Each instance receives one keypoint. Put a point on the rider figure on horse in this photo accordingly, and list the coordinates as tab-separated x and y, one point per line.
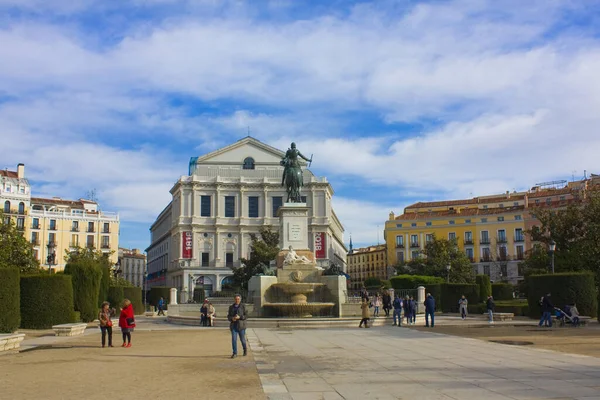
292	173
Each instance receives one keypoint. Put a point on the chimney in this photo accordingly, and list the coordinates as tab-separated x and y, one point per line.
21	171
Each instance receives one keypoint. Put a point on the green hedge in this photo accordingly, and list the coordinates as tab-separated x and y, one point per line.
436	292
134	294
86	279
115	296
157	292
414	281
46	300
518	307
566	288
476	308
451	292
10	313
199	296
104	284
502	291
485	287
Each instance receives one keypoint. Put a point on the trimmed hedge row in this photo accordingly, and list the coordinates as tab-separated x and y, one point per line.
157	292
502	291
10	313
46	300
414	281
485	287
86	279
115	296
436	292
566	288
451	292
134	294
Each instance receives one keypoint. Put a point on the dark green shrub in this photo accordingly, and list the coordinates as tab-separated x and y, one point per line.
10	312
414	281
476	308
451	292
502	291
46	300
115	296
86	277
134	294
436	292
157	292
198	295
485	287
104	284
517	307
566	288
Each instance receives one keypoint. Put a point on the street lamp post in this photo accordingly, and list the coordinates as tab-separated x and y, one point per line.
448	268
51	258
552	249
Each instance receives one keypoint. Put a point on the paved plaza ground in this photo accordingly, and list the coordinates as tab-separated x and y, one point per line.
171	362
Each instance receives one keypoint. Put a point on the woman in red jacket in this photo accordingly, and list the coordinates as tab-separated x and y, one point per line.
126	322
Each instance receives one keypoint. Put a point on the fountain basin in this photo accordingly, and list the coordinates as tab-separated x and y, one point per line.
298	291
304	310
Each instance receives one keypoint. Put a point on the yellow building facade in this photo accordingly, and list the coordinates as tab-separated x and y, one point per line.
367	262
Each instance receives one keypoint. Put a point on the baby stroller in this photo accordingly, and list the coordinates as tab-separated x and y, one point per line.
564	316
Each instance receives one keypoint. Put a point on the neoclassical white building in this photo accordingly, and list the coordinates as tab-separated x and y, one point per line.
230	193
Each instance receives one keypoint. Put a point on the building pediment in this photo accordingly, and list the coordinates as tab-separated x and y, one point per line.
237	152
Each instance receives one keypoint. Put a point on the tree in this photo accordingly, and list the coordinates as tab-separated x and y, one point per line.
264	249
576	232
437	255
15	250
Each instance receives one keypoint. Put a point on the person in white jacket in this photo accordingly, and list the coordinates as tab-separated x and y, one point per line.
463	307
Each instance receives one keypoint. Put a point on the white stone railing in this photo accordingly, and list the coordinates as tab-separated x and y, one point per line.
11	341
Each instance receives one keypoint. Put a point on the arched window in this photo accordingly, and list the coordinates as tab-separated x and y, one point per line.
249	163
7	206
21	208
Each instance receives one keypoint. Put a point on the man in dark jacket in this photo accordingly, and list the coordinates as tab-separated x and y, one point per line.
547	308
398	310
429	310
387	303
237	318
490	306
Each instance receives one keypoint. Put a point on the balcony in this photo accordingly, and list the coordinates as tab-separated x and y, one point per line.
35	242
91	230
90	246
20	227
471	259
502	258
468	242
485	259
415	245
74	229
501	240
520	257
74	245
399	245
105	246
484	241
35	226
106	231
519	239
52	227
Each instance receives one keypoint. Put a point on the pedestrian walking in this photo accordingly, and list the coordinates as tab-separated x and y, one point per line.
237	318
398	306
104	316
407	310
377	305
364	294
413	310
161	306
127	322
463	307
387	303
547	308
429	310
490	306
364	306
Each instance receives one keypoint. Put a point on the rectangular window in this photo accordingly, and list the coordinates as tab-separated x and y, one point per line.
485	238
75	226
414	240
277	202
413	224
428	223
205	258
501	236
415	255
20	223
400	257
106	228
485	207
503	253
252	207
90	227
428	238
520	253
518	218
563	198
486	254
74	241
501	205
52	238
35	239
537	201
467	221
486	270
205	206
35	224
230	206
399	241
469	253
36	254
398	225
105	244
90	241
452	236
53	224
483	219
549	200
519	235
451	222
500	219
229	260
516	203
468	237
504	271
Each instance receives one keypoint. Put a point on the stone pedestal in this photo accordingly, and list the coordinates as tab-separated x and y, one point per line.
293	230
173	296
337	287
421	300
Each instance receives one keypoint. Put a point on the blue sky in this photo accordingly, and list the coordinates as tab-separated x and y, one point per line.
400	101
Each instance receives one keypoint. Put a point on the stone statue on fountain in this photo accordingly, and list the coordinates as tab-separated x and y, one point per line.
292	258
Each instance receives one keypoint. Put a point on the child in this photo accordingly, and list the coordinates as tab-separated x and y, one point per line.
127	322
365	314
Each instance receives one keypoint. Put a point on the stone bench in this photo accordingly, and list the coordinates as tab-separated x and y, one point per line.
69	329
11	341
503	316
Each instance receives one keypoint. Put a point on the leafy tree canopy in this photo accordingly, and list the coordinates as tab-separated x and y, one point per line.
264	249
15	250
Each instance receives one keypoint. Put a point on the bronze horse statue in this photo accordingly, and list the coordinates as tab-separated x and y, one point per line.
292	174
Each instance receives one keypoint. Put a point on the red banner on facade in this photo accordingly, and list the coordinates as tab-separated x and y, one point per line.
320	245
186	245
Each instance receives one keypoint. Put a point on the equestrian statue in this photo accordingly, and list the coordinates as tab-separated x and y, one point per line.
292	174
